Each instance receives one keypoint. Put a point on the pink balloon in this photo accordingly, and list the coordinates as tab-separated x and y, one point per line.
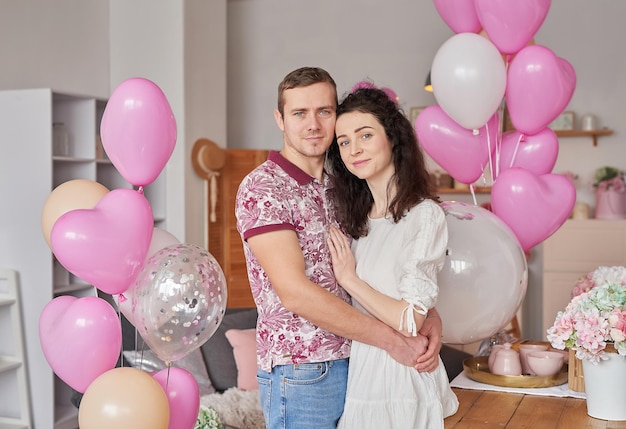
107	245
183	396
138	130
510	25
456	149
460	15
533	206
469	79
536	153
81	338
539	87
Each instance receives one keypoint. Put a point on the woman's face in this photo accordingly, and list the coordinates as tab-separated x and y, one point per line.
364	146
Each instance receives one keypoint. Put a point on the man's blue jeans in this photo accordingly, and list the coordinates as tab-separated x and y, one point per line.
304	396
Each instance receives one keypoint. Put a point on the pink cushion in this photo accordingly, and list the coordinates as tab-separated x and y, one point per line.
244	349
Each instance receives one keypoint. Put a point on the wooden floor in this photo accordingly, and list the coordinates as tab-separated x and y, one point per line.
488	409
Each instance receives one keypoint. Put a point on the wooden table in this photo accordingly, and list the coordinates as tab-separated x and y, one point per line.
488	409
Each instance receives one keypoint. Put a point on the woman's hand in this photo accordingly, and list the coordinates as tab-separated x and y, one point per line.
344	264
431	329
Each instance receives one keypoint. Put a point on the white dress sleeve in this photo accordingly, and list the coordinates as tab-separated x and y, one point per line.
425	242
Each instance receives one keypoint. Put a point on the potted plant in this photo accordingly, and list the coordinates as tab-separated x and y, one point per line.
594	326
610	193
208	419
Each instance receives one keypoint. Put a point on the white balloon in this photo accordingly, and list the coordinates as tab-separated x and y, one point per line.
160	240
484	278
469	79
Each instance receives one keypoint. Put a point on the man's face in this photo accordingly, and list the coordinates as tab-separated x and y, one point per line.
308	123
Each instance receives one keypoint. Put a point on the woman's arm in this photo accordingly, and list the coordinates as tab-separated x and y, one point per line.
418	285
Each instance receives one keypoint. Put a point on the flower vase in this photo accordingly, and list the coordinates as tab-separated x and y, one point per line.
605	388
610	204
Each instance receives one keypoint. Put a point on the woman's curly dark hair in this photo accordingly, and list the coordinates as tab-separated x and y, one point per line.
351	195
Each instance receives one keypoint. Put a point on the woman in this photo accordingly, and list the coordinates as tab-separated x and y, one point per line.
387	203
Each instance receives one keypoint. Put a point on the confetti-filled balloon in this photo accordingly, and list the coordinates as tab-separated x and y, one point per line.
178	300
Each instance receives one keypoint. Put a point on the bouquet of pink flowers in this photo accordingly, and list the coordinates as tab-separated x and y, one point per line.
595	316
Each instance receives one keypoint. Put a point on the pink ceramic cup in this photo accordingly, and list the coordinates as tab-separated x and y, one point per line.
524	350
545	363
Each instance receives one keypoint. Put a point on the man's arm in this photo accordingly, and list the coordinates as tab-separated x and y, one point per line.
280	255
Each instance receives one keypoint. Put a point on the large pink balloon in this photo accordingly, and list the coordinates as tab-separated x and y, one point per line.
107	245
511	24
484	277
81	338
457	150
138	130
536	153
178	300
469	79
460	15
539	87
533	206
183	396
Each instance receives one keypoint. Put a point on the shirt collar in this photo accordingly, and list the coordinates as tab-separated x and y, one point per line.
290	168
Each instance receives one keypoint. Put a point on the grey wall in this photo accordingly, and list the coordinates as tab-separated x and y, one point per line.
61	44
394	43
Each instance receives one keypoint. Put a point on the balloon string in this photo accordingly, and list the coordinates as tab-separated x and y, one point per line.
520	139
498	143
167	379
140	190
489	151
473	194
119	316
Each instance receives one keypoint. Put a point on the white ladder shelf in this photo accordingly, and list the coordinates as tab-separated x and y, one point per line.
14	393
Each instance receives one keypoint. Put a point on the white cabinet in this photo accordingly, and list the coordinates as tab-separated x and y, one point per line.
578	247
14	397
29	171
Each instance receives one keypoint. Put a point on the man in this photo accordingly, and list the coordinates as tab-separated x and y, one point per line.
305	320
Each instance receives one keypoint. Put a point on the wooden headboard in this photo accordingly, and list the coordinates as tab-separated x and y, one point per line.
224	169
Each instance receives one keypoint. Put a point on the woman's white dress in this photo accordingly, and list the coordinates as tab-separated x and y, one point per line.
400	260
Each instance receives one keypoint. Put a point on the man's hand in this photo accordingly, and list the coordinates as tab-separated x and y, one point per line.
410	349
431	329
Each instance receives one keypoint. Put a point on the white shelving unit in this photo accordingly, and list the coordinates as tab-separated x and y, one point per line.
14	396
29	171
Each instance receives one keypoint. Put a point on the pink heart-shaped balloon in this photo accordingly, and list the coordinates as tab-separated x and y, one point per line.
536	153
511	24
456	149
138	130
183	396
460	15
105	246
539	86
81	338
534	207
